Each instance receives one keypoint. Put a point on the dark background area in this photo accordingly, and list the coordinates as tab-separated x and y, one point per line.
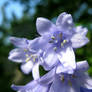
18	18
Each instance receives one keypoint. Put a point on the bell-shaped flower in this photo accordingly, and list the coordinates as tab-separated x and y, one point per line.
59	81
35	85
30	59
63	82
57	41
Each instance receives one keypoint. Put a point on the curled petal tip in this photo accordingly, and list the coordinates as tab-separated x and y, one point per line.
13	87
11	38
40	19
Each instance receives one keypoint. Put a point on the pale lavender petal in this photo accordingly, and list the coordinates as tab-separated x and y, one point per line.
60	18
83	79
44	26
38	43
81	30
79	40
88	81
19	42
17	88
82	66
62	69
67	58
27	67
35	71
65	23
30	85
17	55
50	58
59	86
64	86
51	89
48	78
40	88
45	66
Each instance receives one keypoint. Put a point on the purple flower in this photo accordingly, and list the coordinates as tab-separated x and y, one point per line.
35	85
30	59
60	82
63	82
57	41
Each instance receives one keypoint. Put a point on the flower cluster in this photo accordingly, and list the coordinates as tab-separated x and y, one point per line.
54	50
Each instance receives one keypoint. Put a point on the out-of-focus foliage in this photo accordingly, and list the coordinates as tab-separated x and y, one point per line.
18	18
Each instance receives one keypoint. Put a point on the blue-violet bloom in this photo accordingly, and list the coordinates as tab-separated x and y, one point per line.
35	85
57	41
29	58
63	82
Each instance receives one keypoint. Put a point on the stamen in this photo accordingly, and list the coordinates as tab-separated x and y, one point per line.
31	56
69	82
34	59
60	35
25	50
55	48
64	41
27	59
62	78
53	37
26	55
62	44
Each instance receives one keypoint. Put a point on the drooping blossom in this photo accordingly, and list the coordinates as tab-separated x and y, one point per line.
63	82
57	41
55	81
29	58
35	85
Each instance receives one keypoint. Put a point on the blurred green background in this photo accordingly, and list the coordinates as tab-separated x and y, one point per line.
18	18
